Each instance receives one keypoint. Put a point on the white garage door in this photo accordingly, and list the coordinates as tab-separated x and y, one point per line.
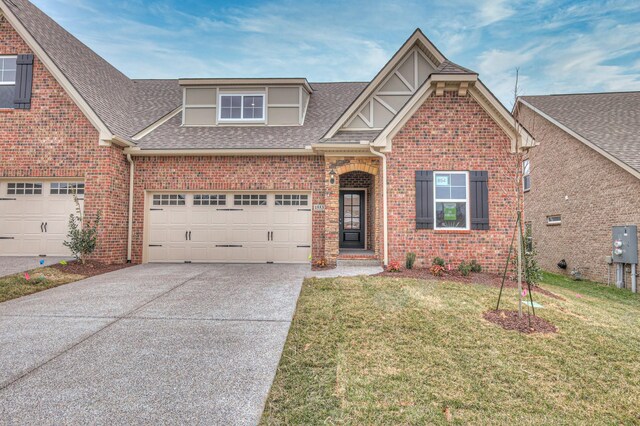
34	217
227	227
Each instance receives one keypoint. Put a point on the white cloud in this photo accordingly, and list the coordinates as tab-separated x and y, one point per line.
558	45
492	11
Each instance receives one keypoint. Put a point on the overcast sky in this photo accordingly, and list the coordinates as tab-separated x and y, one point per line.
560	46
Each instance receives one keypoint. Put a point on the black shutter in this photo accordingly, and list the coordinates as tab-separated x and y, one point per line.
24	80
479	182
424	199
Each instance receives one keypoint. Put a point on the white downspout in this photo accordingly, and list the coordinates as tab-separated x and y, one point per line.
384	204
130	229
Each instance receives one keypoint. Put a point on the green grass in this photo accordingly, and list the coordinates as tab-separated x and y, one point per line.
13	286
374	350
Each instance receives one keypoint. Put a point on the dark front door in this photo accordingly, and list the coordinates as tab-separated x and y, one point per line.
352	219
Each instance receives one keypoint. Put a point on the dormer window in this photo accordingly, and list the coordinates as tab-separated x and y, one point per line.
241	107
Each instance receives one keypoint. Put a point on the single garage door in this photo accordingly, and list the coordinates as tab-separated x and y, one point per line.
228	227
34	216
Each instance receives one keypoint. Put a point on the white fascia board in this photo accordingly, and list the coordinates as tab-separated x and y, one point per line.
137	152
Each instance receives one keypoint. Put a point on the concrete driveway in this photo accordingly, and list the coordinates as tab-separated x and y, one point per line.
151	344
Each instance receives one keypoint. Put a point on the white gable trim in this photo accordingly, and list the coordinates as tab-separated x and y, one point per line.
582	139
383	75
105	134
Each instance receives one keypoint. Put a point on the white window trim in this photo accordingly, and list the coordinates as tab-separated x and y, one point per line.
241	120
466	201
6	83
525	174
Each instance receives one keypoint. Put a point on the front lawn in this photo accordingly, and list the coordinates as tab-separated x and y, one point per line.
17	285
383	350
13	286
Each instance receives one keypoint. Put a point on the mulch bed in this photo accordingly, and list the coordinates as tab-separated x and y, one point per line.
89	269
509	321
482	278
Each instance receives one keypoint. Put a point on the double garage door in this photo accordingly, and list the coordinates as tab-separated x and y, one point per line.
34	216
229	227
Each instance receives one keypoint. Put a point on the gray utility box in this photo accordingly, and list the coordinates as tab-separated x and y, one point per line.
625	244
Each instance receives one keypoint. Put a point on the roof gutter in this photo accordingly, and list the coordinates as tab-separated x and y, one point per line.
137	152
117	140
130	218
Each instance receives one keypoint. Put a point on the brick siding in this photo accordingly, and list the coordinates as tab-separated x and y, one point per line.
55	139
451	133
589	191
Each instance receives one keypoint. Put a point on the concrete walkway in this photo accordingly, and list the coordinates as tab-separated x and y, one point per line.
151	344
10	265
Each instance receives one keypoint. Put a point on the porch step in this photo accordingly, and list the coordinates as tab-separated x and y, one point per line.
358	262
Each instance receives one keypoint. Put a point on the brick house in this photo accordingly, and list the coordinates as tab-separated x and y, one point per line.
583	177
250	170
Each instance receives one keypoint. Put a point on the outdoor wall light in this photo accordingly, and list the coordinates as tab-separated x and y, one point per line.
332	176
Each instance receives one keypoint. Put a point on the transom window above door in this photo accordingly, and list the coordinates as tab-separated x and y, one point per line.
24	188
241	108
451	198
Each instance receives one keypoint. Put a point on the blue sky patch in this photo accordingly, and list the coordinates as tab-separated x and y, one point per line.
559	46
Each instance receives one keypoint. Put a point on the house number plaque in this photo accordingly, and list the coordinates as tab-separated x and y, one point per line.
318	207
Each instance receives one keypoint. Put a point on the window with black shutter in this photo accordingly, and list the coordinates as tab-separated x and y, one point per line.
23	82
479	185
424	199
451	201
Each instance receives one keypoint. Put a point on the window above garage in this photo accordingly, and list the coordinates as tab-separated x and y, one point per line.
241	107
245	102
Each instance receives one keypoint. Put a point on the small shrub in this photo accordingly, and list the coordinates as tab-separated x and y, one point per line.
321	263
437	270
475	266
394	266
410	260
464	268
439	261
83	233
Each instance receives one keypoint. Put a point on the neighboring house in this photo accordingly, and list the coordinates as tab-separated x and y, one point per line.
584	176
419	159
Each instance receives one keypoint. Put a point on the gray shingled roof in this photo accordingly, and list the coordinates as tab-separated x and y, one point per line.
353	137
448	67
125	106
326	104
609	120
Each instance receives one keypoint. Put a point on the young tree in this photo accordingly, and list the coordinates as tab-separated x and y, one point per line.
83	233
